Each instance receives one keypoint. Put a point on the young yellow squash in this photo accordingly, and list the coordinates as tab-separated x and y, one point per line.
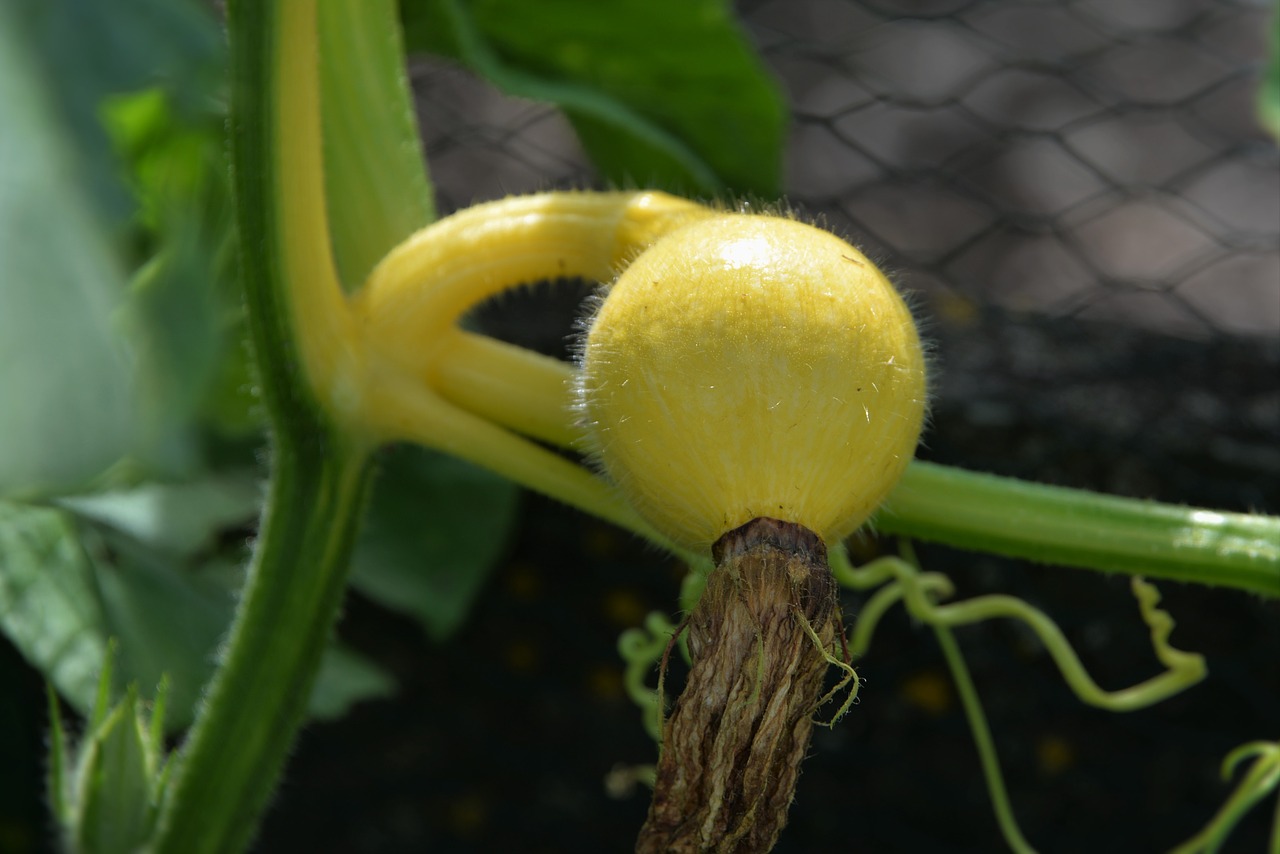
749	366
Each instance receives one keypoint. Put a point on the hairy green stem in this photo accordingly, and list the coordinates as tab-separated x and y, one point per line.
1075	527
228	767
257	701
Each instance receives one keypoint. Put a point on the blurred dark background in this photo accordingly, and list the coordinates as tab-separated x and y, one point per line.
1088	217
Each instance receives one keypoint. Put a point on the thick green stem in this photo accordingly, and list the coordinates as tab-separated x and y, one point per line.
258	699
228	767
1075	527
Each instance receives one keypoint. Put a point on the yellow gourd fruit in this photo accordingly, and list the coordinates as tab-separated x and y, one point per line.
750	366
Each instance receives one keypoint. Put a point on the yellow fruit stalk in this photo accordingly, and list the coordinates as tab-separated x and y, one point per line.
753	385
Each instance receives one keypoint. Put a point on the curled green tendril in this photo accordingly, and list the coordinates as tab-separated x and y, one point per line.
919	592
642	649
1262	779
903	581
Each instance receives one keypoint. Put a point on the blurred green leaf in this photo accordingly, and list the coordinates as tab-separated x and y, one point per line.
346	678
232	407
91	49
48	606
1269	90
104	369
114	789
375	174
665	93
435	527
168	620
176	325
170	623
179	518
66	587
174	162
185	316
66	379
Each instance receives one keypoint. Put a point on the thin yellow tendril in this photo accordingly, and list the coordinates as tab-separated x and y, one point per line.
849	675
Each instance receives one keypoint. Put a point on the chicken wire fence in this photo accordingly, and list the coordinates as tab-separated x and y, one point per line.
1097	159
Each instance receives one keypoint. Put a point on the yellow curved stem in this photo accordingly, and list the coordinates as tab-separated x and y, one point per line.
324	330
527	392
416	294
424	380
399	408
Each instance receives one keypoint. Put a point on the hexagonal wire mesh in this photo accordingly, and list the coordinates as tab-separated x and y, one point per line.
1090	159
1081	199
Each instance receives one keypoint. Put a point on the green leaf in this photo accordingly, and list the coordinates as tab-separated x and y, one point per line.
665	93
346	678
184	313
168	621
232	408
174	161
435	527
57	772
114	788
95	48
48	607
126	369
1269	91
184	293
375	173
65	373
65	588
176	325
179	518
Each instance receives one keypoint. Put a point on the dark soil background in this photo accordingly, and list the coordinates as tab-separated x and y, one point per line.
1089	218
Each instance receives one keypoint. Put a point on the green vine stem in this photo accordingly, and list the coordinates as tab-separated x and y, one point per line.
1074	527
229	765
920	591
227	769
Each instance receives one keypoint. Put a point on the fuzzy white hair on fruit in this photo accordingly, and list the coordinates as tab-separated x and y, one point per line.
751	365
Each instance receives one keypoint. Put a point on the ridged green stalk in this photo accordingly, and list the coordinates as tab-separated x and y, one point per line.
228	768
1075	527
